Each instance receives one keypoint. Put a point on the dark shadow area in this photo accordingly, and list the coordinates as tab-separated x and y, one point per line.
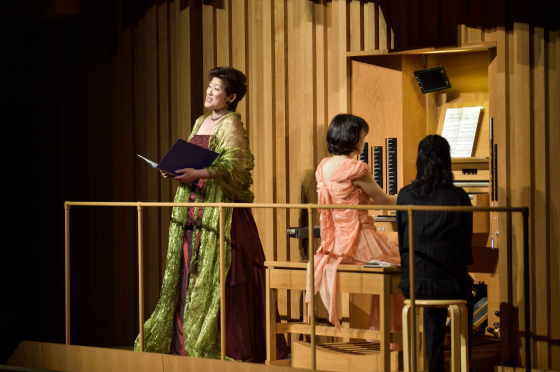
436	22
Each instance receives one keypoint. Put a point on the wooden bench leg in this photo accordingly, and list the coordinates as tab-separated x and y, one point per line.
406	335
465	329
459	338
455	338
270	322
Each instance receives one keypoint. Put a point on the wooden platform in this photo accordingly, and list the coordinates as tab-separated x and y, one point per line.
344	356
64	358
60	357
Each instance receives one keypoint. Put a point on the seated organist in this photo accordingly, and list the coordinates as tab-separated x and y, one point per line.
443	239
348	236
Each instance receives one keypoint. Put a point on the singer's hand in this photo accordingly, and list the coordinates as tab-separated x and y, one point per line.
166	175
187	175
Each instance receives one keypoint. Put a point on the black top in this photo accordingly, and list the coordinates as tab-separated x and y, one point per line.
442	243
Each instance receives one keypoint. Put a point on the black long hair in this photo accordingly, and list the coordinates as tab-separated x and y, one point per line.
433	166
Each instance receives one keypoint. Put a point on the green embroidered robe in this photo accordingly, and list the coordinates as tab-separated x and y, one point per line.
231	179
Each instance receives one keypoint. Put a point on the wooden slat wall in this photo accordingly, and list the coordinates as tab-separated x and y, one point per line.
149	65
551	236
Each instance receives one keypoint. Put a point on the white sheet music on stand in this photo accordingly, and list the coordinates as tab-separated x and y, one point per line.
460	129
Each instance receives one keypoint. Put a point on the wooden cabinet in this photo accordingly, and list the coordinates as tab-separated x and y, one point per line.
383	90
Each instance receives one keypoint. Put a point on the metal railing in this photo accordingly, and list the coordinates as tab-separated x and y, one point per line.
309	207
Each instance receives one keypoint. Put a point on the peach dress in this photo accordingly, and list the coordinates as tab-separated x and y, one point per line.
348	236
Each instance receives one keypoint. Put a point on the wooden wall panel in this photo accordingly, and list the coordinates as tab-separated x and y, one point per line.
335	49
339	50
191	78
519	139
384	33
356	25
294	54
260	122
239	48
414	121
154	58
321	84
223	34
540	165
268	144
552	53
281	144
371	26
208	38
301	126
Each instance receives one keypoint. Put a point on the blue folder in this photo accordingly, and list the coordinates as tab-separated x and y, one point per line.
181	155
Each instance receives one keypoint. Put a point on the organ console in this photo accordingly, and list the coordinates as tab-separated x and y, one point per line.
383	90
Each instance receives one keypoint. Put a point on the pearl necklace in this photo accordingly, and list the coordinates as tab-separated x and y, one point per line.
218	116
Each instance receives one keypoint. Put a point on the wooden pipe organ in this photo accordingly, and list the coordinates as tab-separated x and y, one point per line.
383	90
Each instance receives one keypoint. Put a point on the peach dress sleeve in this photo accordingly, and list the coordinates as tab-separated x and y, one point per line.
348	236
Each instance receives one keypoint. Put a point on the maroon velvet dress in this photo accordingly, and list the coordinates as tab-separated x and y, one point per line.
245	286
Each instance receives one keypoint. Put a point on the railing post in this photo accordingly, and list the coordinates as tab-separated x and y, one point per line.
222	284
140	277
311	254
412	278
527	293
67	270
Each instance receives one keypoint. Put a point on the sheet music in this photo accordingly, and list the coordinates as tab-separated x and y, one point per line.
460	128
451	127
153	164
467	132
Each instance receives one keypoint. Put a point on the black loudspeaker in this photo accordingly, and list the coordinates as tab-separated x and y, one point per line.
432	79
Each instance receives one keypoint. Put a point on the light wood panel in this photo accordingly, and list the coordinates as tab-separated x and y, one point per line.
58	357
518	141
378	99
553	217
301	109
414	121
356	25
255	71
269	146
386	95
501	128
371	26
139	83
540	165
28	354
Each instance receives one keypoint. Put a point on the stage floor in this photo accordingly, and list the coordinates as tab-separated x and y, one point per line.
60	357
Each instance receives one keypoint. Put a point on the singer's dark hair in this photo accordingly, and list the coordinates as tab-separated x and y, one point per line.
433	166
344	133
234	82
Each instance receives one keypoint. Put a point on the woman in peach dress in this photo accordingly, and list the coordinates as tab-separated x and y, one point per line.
348	236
